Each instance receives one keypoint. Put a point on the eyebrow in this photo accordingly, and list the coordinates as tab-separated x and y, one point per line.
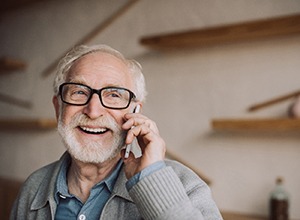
81	81
108	85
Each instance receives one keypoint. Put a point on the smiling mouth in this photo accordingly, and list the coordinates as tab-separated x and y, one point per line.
93	130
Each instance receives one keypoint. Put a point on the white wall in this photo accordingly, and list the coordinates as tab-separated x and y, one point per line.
186	88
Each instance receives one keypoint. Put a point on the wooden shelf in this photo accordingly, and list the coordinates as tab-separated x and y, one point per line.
18	124
280	124
10	64
259	29
238	216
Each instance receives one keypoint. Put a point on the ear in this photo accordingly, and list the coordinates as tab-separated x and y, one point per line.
56	106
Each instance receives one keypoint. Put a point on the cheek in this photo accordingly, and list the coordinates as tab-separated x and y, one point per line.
67	113
119	117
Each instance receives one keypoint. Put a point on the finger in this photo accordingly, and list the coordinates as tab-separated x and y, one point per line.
131	134
144	135
133	120
139	121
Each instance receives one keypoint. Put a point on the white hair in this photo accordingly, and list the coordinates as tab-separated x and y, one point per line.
133	66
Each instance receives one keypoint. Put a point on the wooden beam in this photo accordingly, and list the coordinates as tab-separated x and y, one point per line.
240	216
10	64
8	5
101	27
265	28
15	101
23	123
257	125
176	157
273	101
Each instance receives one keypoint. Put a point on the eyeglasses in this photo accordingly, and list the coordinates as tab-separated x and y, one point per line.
110	97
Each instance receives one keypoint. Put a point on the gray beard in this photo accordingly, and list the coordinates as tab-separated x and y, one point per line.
91	151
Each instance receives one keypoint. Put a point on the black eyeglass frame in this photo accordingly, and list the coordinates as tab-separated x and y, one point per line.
98	92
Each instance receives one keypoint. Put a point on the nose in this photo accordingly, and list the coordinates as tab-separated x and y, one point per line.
94	108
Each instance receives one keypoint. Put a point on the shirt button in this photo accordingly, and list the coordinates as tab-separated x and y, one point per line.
62	196
82	217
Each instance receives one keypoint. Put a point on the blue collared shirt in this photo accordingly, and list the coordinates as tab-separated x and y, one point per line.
70	207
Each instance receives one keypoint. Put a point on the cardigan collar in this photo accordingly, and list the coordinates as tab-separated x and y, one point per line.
46	190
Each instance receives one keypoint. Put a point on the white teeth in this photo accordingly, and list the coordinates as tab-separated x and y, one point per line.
94	130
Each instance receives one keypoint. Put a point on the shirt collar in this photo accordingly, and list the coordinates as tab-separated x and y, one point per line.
111	179
61	188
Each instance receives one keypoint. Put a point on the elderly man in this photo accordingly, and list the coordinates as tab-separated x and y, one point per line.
96	91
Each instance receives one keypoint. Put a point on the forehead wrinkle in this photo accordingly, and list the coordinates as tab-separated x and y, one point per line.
82	80
100	60
111	66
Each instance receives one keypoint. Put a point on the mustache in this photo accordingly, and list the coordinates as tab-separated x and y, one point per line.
83	120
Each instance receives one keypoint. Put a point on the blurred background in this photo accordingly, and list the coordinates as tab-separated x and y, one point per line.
231	56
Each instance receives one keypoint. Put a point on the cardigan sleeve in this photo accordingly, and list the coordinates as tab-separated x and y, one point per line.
174	192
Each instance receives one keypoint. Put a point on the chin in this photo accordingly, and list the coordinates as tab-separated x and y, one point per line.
94	152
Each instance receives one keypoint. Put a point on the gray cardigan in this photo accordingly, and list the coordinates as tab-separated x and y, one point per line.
174	192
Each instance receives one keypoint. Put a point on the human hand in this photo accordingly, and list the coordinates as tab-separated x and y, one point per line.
152	145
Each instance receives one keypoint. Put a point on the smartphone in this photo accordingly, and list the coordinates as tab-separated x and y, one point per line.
128	146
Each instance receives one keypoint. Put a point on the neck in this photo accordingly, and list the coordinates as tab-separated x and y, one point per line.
83	176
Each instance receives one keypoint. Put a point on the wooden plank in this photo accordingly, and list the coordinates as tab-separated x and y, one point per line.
23	123
273	101
8	5
176	157
96	31
10	64
284	124
239	216
15	101
265	28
